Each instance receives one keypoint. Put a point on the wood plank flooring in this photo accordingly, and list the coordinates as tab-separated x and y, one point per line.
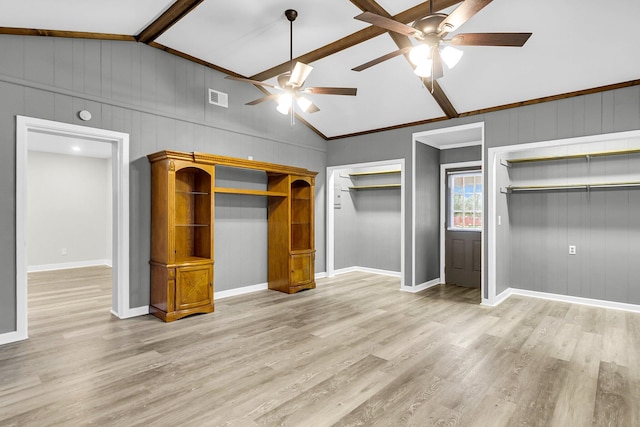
353	352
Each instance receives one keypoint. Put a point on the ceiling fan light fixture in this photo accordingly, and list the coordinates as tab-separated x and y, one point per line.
284	103
451	56
303	103
423	70
420	55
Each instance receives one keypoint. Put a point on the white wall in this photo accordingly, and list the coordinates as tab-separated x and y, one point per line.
68	206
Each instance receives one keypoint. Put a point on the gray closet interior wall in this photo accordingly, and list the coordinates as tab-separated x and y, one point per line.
160	100
602	223
346	243
368	223
427	234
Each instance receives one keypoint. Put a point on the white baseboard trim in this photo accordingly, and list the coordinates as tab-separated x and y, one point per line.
634	308
322	275
9	337
67	265
133	312
240	291
366	270
498	299
421	286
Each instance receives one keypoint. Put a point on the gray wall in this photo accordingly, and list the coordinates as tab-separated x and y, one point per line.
160	100
462	154
69	204
427	225
605	112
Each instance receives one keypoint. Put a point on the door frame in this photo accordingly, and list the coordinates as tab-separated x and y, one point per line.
443	209
120	230
330	214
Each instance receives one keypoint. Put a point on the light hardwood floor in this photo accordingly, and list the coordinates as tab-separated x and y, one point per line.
354	351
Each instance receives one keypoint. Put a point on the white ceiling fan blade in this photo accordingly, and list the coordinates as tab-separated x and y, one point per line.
299	74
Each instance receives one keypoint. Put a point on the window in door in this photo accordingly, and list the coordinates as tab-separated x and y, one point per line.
465	204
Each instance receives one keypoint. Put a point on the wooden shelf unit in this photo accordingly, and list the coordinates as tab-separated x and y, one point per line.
182	219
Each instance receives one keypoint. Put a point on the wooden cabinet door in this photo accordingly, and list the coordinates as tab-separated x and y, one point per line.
301	269
194	286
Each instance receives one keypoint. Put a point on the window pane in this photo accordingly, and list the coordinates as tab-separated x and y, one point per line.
457	219
458	200
465	203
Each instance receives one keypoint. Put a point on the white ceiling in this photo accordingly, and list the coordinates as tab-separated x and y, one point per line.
576	45
63	144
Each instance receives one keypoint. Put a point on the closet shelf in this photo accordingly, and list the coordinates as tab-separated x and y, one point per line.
373	187
374	173
587	187
249	192
586	156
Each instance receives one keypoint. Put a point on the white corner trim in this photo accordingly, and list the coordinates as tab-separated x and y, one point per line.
132	312
240	291
9	337
422	286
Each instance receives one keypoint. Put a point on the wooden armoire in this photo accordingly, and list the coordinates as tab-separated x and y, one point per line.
183	189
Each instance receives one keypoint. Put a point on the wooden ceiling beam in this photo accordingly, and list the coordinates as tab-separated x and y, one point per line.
65	34
441	98
351	40
176	12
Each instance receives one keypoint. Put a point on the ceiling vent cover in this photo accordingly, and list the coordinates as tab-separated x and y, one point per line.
218	98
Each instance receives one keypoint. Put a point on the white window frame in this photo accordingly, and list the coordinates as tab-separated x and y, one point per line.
450	177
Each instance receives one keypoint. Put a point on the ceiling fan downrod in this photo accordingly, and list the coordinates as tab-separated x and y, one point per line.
291	15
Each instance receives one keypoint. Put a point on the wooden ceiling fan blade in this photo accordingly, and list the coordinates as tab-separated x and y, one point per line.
387	23
273	97
349	91
299	74
462	14
490	39
254	82
382	58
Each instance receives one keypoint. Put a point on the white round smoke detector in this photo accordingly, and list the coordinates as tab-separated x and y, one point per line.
84	115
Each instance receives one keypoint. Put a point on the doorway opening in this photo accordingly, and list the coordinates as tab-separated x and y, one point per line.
385	179
443	139
28	129
462	225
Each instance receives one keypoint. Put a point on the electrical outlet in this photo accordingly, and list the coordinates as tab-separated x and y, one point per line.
63	251
572	250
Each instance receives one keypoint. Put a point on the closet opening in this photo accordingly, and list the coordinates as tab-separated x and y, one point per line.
365	218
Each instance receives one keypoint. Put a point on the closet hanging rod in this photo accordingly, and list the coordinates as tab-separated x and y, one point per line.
515	189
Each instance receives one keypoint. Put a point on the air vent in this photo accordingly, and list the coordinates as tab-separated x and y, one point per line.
220	99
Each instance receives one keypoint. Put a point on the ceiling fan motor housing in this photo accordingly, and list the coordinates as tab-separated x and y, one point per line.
428	26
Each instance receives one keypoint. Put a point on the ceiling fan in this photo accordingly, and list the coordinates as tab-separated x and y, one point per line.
430	32
290	83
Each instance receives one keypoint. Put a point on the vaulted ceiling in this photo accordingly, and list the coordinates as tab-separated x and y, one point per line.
577	47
